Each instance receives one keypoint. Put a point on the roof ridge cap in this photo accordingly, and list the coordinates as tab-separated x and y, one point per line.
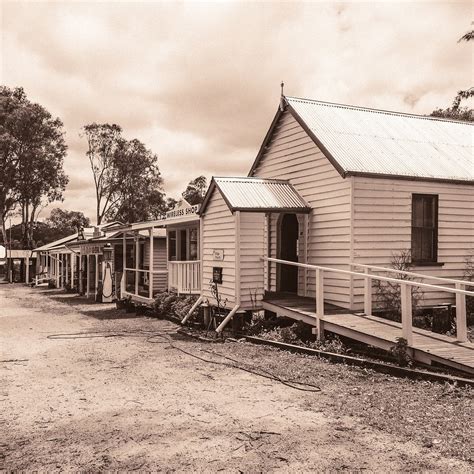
379	111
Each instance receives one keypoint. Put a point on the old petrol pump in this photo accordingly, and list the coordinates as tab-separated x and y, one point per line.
107	274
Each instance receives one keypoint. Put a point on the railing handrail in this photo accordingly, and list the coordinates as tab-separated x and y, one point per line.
183	261
365	275
155	272
418	275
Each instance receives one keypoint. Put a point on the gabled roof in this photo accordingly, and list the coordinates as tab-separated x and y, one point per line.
257	194
368	142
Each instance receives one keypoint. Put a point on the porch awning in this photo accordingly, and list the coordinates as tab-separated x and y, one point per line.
258	195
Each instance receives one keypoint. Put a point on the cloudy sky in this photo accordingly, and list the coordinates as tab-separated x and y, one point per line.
199	83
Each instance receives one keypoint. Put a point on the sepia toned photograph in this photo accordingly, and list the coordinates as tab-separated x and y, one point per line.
236	236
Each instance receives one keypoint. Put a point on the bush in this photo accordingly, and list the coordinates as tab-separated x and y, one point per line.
170	303
300	334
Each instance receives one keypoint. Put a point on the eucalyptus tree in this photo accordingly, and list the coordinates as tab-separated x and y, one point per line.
32	151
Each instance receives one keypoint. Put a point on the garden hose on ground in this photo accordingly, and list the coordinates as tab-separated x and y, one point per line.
165	338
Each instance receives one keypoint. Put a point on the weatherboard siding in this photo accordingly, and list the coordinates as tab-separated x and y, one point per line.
218	232
252	249
382	227
291	154
160	281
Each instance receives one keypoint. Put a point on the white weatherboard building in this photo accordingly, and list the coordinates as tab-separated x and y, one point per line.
356	186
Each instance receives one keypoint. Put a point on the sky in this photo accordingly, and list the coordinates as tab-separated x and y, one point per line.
199	83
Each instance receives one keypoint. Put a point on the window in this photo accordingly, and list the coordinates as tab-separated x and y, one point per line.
193	243
172	254
424	228
183	244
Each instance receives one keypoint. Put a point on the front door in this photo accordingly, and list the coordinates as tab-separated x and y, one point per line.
288	239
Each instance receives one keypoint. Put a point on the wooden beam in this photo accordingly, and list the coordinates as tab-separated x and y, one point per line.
88	275
150	277
137	256
407	317
367	293
27	270
319	304
461	321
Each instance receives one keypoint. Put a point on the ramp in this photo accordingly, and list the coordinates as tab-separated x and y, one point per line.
428	347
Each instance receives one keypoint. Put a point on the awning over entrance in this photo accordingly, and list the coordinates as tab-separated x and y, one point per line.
257	195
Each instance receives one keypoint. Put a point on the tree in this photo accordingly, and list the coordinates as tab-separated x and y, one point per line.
66	222
196	190
457	112
138	194
32	151
102	140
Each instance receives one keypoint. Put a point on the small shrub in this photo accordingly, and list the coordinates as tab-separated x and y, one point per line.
401	352
388	294
469	276
51	284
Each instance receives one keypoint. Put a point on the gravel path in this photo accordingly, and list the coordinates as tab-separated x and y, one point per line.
122	403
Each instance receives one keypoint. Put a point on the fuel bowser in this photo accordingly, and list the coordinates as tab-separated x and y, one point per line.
107	274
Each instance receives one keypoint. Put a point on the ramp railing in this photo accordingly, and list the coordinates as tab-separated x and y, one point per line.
406	287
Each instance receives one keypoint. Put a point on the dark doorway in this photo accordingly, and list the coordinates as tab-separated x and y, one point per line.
288	240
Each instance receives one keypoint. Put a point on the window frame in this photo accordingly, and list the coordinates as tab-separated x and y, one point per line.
183	243
434	228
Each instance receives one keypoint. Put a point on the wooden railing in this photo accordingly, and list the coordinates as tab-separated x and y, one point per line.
137	284
405	292
185	276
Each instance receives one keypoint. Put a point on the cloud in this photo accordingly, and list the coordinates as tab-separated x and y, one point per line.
199	82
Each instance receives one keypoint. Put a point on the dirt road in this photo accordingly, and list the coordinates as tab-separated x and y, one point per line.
123	403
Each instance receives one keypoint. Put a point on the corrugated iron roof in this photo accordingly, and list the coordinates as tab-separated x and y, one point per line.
257	194
368	141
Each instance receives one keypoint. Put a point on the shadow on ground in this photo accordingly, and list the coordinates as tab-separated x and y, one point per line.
90	307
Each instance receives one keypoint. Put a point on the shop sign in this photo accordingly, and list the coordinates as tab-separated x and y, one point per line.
183	209
91	249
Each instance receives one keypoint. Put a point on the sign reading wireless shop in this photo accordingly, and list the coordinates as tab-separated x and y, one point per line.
183	210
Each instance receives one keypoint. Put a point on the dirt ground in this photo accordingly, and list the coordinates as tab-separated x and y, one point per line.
122	403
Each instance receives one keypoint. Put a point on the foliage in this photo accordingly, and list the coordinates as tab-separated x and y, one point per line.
456	111
127	178
66	222
388	294
469	276
401	352
169	303
32	151
293	335
460	113
139	194
102	141
196	190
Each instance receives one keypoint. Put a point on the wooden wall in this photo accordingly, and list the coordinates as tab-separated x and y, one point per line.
160	281
382	226
218	232
252	249
292	154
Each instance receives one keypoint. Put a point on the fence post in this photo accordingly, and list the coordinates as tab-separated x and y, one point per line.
461	322
407	327
367	293
319	303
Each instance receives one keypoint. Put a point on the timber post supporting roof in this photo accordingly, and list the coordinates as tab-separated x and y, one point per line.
367	142
257	195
